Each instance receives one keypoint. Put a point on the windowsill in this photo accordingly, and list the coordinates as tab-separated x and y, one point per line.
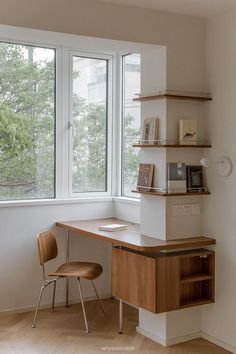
39	202
127	200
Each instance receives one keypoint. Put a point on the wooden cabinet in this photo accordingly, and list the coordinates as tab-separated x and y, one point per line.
163	282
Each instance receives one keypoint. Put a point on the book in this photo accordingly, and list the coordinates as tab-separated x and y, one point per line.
176	177
150	130
113	227
145	177
195	178
188	131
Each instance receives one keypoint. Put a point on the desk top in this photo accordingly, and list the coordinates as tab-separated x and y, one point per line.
131	237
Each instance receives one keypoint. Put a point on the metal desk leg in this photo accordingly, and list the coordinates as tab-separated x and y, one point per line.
120	316
67	260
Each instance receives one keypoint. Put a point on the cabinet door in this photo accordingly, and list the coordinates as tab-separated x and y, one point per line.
167	283
134	279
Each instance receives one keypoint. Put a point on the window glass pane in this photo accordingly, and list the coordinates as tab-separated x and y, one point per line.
27	122
89	145
131	122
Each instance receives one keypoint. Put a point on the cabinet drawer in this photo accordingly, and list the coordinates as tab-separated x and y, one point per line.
134	278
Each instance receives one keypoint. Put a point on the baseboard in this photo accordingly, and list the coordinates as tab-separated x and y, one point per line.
219	342
47	306
183	339
170	342
151	336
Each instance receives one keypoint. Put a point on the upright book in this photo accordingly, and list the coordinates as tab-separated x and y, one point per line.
145	177
150	131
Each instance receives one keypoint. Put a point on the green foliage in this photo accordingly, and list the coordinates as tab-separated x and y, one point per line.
26	124
89	146
130	155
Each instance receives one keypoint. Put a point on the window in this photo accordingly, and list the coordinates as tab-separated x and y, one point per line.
59	116
90	124
130	122
27	122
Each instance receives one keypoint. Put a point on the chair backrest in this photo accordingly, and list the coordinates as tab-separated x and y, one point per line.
47	246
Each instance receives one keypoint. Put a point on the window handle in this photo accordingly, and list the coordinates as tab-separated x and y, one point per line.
70	125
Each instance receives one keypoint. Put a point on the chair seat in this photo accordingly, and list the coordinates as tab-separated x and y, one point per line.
84	270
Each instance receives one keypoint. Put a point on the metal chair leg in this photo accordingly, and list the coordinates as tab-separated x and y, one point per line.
95	290
39	301
82	303
53	295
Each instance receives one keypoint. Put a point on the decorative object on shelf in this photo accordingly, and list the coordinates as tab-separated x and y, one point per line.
150	130
224	165
187	131
195	179
176	177
145	177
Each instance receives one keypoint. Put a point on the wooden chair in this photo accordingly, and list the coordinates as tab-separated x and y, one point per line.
47	246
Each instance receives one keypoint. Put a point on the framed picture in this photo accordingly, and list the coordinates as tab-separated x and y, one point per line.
187	132
195	179
150	131
176	177
145	177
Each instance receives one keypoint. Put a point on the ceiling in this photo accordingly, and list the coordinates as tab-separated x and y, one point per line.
202	8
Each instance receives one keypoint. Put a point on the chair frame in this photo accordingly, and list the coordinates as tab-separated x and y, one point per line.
48	282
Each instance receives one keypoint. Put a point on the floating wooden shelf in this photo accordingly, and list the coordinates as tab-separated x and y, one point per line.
197	146
169	194
172	97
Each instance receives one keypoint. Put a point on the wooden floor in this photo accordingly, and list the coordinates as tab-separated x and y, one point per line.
62	332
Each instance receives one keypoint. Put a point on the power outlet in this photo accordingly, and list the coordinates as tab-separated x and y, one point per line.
181	210
186	209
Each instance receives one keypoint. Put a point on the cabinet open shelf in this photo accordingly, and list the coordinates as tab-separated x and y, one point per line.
169	194
197	272
195	302
176	96
195	278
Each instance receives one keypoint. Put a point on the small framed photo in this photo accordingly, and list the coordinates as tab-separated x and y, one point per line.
150	131
195	179
145	177
187	132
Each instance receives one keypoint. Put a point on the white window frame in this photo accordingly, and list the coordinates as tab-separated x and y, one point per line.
65	45
109	142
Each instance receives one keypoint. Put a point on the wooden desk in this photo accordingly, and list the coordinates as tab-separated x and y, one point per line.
160	288
130	238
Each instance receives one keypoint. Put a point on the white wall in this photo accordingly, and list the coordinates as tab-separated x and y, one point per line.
20	275
219	320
